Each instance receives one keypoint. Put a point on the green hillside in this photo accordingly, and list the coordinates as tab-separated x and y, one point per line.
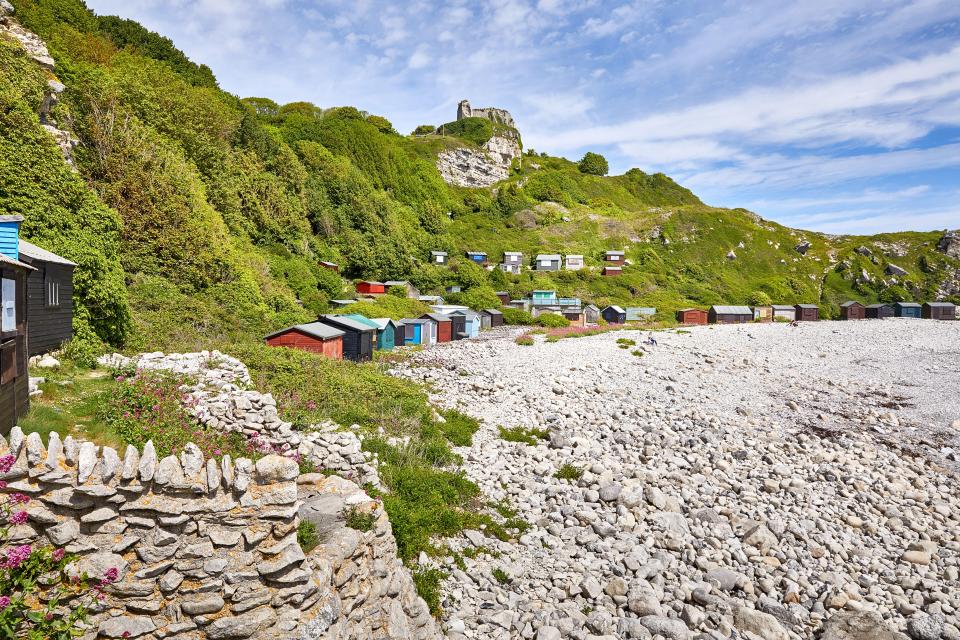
198	217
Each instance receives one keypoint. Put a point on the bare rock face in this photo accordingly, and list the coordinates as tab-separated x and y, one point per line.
950	244
469	168
464	110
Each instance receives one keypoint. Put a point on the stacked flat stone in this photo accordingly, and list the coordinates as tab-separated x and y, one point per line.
208	548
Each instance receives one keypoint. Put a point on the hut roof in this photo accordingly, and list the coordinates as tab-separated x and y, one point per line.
361	319
878	305
783	307
348	322
438	317
371	282
615	308
414	321
492	312
8	260
574	255
37	253
512	253
808	306
383	322
945	305
906	304
476	253
397	283
733	309
313	329
548	256
438	253
469	313
690	309
592	306
615	253
850	303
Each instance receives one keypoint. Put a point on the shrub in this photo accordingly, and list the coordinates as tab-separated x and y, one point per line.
526	436
500	575
760	299
358	519
424	130
517	317
626	341
307	536
428	582
552	321
459	427
593	164
569	472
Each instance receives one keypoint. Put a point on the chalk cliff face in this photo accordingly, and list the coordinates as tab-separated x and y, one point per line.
467	167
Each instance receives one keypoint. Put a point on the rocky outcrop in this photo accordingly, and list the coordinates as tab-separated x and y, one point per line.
949	244
37	50
470	168
894	270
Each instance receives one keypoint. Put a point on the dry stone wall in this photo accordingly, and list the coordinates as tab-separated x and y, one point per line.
208	548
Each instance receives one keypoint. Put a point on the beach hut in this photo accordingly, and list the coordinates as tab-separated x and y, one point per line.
512	262
344	302
371	288
418	331
612	271
430	300
49	298
934	311
614	258
458	326
359	338
614	314
573	262
692	316
729	314
315	337
491	318
504	296
388	334
330	266
444	327
479	257
808	312
640	314
14	378
784	312
591	314
575	316
907	310
548	262
471	324
438	257
879	311
852	310
763	313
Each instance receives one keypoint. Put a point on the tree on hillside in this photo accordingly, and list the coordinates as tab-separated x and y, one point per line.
424	130
593	164
381	123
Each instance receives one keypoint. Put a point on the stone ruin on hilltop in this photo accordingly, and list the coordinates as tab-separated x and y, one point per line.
464	110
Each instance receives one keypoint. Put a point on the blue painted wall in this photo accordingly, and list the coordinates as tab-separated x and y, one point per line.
10	239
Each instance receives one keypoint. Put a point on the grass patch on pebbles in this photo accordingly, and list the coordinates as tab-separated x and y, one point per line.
428	583
525	341
569	472
500	575
526	436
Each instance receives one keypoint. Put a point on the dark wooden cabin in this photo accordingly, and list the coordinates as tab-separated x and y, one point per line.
939	311
878	311
444	326
504	296
692	316
852	310
315	337
49	298
906	310
491	318
612	272
359	339
729	314
458	326
808	312
614	314
614	258
14	377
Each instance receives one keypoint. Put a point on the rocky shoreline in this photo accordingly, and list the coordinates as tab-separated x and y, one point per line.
753	481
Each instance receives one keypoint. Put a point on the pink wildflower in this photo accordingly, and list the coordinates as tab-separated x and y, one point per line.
16	556
111	575
20	517
6	463
4	602
58	555
3	484
19	498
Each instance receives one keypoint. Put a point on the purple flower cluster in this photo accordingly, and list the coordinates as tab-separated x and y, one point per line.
6	463
4	602
20	517
16	556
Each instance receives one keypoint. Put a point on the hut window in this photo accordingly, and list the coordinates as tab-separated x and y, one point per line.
8	305
8	361
53	293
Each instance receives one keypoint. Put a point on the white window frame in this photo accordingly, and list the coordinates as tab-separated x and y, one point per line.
8	305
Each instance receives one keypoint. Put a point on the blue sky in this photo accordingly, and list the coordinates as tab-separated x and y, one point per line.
836	115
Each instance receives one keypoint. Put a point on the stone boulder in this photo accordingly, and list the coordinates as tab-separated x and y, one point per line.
858	625
949	244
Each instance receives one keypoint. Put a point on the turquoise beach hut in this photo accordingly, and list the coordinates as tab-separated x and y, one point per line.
388	334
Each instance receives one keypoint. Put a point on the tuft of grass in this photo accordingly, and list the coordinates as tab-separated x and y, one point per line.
526	436
637	352
569	472
500	575
428	582
359	519
459	427
525	341
307	536
626	341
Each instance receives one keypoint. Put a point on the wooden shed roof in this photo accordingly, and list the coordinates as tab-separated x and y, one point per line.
316	330
383	322
492	312
733	309
878	305
945	305
38	253
349	323
548	256
16	263
906	304
615	308
850	303
437	317
808	306
783	307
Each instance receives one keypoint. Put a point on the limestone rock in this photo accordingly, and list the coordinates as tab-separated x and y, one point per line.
857	625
